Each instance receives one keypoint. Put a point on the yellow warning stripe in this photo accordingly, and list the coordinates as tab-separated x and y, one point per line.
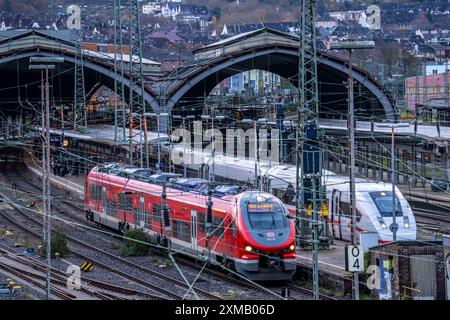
87	266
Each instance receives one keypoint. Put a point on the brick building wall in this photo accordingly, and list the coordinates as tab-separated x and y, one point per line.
400	254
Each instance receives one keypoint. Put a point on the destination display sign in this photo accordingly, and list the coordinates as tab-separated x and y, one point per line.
260	207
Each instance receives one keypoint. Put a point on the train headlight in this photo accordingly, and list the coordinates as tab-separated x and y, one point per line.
248	248
406	222
382	224
292	247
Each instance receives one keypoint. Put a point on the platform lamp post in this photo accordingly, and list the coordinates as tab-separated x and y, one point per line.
141	148
350	46
44	64
255	128
394	226
157	115
183	126
213	149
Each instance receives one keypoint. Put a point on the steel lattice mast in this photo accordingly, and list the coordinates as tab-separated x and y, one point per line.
119	88
79	105
308	177
136	98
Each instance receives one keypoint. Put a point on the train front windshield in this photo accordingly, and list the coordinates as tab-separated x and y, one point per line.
383	201
266	216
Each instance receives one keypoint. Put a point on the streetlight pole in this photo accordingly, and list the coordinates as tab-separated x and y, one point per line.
255	128
350	46
44	184
394	180
147	164
183	126
46	155
393	227
256	154
141	156
130	137
157	115
159	145
211	173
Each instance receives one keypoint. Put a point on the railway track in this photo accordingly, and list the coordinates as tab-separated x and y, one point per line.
430	206
431	198
118	259
309	292
139	281
57	282
302	293
431	211
38	281
432	215
61	277
65	202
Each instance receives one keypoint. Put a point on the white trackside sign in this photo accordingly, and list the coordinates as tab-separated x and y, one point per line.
354	258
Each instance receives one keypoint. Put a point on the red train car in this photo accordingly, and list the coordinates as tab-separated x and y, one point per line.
252	232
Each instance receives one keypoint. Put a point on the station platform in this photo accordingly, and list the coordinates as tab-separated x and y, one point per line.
443	196
71	184
426	132
106	134
331	260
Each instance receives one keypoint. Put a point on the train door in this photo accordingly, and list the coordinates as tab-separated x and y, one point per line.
336	214
230	236
141	222
194	244
332	215
104	201
345	220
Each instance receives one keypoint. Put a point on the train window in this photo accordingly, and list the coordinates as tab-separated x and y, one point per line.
344	208
346	211
92	191
181	230
185	231
111	208
264	216
201	221
137	216
157	212
218	227
175	231
358	215
383	201
233	229
95	192
126	202
98	192
129	204
147	220
122	201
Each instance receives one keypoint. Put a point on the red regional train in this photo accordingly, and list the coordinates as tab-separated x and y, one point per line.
251	231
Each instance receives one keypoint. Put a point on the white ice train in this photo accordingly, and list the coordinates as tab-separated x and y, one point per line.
373	204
